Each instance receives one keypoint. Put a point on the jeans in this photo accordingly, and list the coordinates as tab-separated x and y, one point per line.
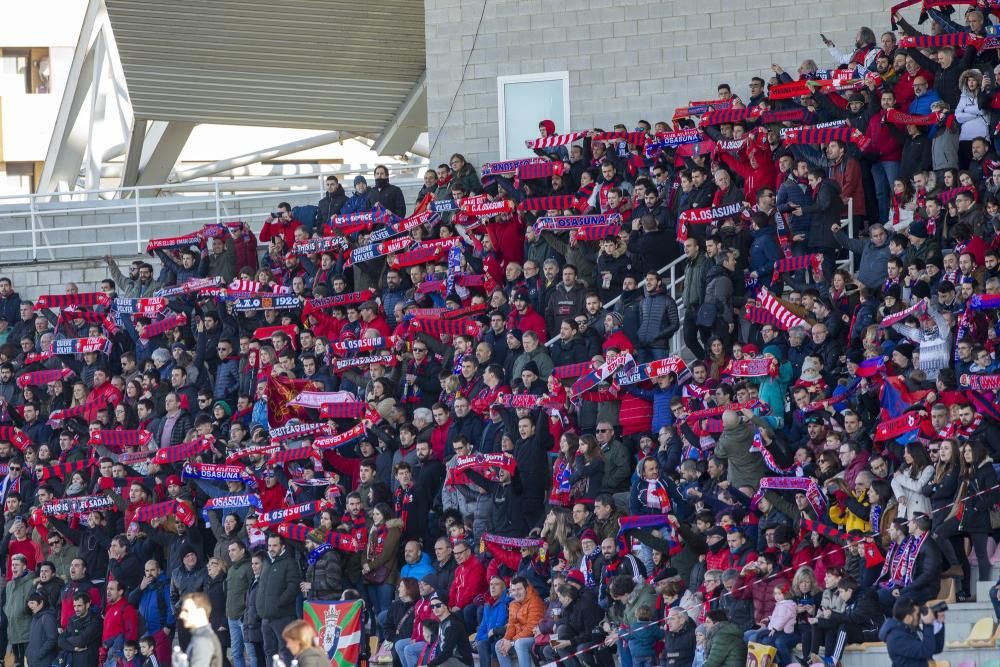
411	653
993	598
398	647
884	174
379	598
624	654
114	652
484	647
648	354
522	649
236	642
273	643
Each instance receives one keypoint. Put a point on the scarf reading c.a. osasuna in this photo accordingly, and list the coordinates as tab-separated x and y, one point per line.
704	216
169	322
669	140
184	450
295	431
81	345
42	378
340	439
806	485
178	508
119	439
824	135
362	345
61	470
15	436
524	401
78	505
83	299
980	382
293	513
797	263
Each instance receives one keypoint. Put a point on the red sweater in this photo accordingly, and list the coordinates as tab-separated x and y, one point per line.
120	618
469	582
529	321
27	548
884	144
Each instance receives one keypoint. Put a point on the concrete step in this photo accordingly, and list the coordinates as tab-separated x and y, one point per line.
983	590
962	616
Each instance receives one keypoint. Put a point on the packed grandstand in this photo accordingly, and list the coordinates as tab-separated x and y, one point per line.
483	413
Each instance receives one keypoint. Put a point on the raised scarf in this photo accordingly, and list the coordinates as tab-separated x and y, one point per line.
806	485
797	263
378	215
705	216
215	472
910	560
80	345
459	327
78	505
730	116
15	436
42	378
296	431
605	371
165	242
671	140
769	460
343	410
754	367
485	464
147	306
916	309
572	370
61	470
523	401
404	226
169	322
87	410
649	371
341	365
238	501
717	411
568	222
649	522
983	302
812	135
340	439
189	286
980	382
184	450
784	318
293	513
117	440
284	456
347	298
260	302
363	345
598	233
83	299
541	142
180	509
419	255
323	244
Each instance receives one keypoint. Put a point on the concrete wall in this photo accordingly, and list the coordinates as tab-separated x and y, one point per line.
627	59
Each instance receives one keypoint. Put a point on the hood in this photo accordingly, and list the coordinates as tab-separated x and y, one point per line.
727	630
394	523
963	80
892	626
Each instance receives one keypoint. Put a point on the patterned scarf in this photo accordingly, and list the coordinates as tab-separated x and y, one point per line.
42	378
84	299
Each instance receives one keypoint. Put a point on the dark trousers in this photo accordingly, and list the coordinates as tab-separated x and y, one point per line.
690	331
273	643
19	650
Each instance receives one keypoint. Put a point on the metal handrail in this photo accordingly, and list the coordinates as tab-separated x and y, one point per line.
676	282
33	240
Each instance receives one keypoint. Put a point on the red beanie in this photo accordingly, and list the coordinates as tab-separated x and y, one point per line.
550	127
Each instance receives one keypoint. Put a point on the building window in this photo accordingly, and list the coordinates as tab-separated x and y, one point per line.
24	70
19	178
526	99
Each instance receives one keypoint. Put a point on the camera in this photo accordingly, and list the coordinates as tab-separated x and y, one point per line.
937	608
275	215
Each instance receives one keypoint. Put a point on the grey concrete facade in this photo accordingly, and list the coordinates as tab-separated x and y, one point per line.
627	59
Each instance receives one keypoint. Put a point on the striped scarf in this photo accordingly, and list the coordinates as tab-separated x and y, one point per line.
572	370
119	439
87	410
184	450
345	410
189	286
294	454
459	327
786	319
546	169
169	322
91	317
341	365
633	138
549	142
730	116
37	357
180	509
980	382
42	378
597	233
420	255
825	135
62	470
916	309
297	431
15	436
797	263
340	439
550	203
953	39
84	299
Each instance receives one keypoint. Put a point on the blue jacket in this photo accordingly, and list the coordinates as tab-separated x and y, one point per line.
909	648
417	571
764	253
10	308
227	379
921	106
793	192
149	607
662	416
358	203
642	638
494	616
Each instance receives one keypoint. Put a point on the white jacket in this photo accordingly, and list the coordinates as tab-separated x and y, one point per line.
904	485
972	118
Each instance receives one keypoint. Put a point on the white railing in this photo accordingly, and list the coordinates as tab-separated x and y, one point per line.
51	226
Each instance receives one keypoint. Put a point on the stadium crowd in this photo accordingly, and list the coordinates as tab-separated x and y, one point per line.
477	416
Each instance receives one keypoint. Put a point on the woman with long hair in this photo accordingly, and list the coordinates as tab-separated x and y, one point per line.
910	479
380	568
882	509
555	530
942	490
562	469
588	470
398	621
717	360
302	642
980	497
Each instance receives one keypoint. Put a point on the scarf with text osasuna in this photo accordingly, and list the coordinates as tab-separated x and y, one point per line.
42	378
293	513
572	222
705	216
214	472
239	501
334	441
671	140
83	299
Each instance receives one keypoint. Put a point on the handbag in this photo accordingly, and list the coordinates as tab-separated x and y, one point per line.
707	314
378	575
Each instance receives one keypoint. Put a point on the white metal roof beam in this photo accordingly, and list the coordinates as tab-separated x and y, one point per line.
409	121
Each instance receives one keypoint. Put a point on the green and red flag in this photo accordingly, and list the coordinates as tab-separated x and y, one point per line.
338	625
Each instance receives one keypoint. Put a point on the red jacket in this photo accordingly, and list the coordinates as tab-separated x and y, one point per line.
120	618
379	324
27	548
507	236
469	582
530	321
439	438
755	166
274	228
847	174
884	143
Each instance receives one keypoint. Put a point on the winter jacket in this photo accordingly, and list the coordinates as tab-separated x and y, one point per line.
325	577
903	484
15	608
279	586
529	321
726	647
746	468
719	290
522	617
764	254
783	617
390	197
968	112
82	633
873	259
979	501
251	619
494	621
694	282
573	351
678	647
468	583
658	319
313	657
884	137
239	577
330	205
909	647
42	644
154	605
578	620
565	303
184	581
825	211
358	203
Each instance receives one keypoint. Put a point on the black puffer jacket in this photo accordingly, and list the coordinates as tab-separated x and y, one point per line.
326	577
678	647
279	586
